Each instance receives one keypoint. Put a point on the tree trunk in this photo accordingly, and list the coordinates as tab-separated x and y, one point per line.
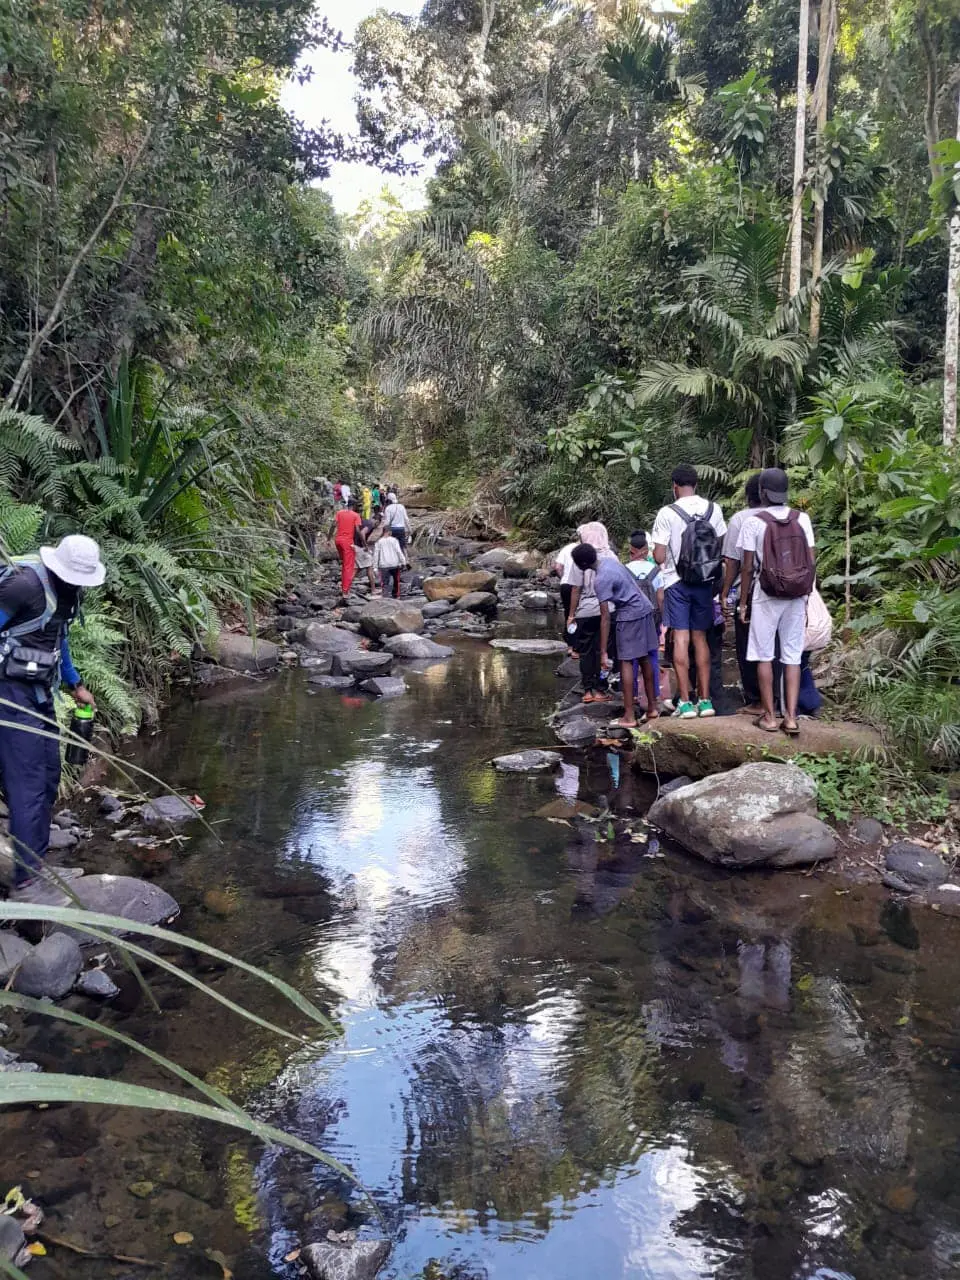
799	148
931	131
848	553
953	328
821	105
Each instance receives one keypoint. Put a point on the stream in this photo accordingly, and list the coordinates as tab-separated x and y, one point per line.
561	1054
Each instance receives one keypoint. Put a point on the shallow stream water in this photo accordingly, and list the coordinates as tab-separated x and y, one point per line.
564	1052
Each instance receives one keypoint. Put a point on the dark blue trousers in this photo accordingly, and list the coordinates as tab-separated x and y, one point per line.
29	773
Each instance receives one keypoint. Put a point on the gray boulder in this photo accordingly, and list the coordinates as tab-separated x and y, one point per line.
137	900
356	1260
494	559
541	648
867	831
246	653
361	665
13	951
51	968
320	664
436	608
331	682
911	867
167	810
532	761
385	687
569	669
578	732
536	600
390	618
61	839
675	784
321	637
416	648
484	602
521	565
760	815
97	985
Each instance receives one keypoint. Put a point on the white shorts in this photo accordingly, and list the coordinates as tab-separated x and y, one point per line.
364	558
772	618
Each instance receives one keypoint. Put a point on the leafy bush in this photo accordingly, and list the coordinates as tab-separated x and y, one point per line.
847	786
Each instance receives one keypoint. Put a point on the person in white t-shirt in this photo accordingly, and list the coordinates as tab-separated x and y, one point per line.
346	493
688	610
396	520
772	618
731	592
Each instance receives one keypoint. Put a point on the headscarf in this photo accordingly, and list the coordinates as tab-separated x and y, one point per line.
595	535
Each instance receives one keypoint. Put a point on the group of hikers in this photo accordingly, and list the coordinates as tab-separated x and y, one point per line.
669	604
370	534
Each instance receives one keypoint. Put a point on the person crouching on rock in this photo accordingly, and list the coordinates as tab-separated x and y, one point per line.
636	634
39	598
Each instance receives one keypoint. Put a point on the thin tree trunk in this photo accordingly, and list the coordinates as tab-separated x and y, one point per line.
848	550
821	105
12	398
931	131
952	338
799	148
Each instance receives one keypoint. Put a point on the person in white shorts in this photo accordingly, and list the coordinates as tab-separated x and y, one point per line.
770	618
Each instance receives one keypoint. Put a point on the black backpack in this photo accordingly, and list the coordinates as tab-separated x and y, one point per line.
700	563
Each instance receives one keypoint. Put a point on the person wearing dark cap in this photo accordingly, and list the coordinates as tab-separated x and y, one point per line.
778	571
730	591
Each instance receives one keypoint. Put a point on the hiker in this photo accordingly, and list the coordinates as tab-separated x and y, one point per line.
583	614
687	539
636	632
389	561
338	495
363	550
346	493
395	519
345	525
366	502
779	572
375	495
650	580
565	570
39	598
730	594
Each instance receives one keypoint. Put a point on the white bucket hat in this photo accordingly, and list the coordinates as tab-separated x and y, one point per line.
76	561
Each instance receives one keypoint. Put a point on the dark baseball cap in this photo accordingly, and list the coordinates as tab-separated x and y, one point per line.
774	485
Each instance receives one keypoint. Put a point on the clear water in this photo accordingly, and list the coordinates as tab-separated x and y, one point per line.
562	1055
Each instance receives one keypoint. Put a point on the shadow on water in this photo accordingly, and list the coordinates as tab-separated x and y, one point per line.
563	1054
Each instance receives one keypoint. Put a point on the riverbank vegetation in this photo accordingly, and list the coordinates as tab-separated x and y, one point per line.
638	250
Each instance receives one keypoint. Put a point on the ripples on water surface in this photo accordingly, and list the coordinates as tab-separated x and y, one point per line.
561	1059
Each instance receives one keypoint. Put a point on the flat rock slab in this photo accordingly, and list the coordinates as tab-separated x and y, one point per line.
246	653
331	682
168	810
699	748
527	762
599	712
362	665
459	584
540	648
759	815
359	1260
51	968
384	687
324	638
414	648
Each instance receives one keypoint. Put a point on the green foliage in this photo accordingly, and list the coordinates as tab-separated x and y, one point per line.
848	786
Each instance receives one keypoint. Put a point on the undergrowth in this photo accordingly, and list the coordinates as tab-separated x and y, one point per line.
850	786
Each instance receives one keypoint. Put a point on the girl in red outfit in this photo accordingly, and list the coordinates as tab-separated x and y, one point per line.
345	525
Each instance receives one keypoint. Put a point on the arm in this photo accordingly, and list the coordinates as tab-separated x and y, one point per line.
71	678
660	600
746	583
660	554
574	605
604	633
731	568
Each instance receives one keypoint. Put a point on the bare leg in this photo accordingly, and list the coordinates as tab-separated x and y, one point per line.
681	663
791	678
765	679
650	685
626	682
702	650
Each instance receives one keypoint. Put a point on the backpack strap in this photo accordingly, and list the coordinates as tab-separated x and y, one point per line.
49	596
685	515
770	520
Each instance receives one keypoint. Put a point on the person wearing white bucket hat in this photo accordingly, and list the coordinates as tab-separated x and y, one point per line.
39	598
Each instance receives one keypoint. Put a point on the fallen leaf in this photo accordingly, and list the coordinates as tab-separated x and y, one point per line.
141	1189
292	1256
182	1237
36	1250
902	1022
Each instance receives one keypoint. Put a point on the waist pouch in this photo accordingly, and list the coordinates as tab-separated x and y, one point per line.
35	666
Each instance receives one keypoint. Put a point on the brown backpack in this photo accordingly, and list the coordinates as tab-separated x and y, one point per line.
787	568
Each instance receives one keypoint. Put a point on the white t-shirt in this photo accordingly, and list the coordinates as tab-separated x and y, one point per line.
754	532
346	493
564	562
395	516
668	531
388	554
641	571
731	543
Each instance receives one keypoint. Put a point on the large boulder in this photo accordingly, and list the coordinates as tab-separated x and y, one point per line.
390	618
246	653
760	815
459	584
493	559
484	602
50	969
521	565
321	637
351	1260
361	665
416	648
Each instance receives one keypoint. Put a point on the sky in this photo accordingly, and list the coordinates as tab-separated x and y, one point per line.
329	96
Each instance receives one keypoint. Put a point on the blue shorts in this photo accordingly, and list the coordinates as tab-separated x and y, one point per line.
688	608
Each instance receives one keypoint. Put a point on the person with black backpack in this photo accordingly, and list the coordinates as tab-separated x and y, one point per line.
778	573
688	545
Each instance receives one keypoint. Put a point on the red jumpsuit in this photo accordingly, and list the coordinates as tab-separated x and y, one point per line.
347	523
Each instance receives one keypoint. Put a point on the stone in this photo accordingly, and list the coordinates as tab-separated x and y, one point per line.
361	665
322	637
246	653
436	608
97	985
13	951
51	968
569	669
168	810
577	732
484	602
385	687
540	648
867	831
357	1260
331	682
601	712
416	648
675	784
353	614
109	803
61	839
536	600
287	625
390	618
12	1240
494	559
914	867
459	584
521	565
137	900
527	761
759	815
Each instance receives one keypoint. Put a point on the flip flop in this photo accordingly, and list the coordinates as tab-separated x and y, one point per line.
758	724
618	724
791	732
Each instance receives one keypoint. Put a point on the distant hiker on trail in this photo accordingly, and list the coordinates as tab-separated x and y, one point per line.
636	631
364	550
583	614
395	519
39	598
389	560
731	594
376	496
345	526
650	580
779	572
687	543
346	493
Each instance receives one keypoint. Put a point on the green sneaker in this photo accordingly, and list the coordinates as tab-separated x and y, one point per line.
685	711
705	709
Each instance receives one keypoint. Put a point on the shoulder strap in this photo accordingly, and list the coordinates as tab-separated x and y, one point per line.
687	518
49	596
708	514
770	520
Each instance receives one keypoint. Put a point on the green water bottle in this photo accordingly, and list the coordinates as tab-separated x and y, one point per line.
81	726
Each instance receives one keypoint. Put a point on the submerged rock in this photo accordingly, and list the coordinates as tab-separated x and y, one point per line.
322	637
385	687
331	682
542	648
459	584
578	731
416	647
246	653
96	984
358	1260
760	815
390	618
527	761
165	810
51	967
